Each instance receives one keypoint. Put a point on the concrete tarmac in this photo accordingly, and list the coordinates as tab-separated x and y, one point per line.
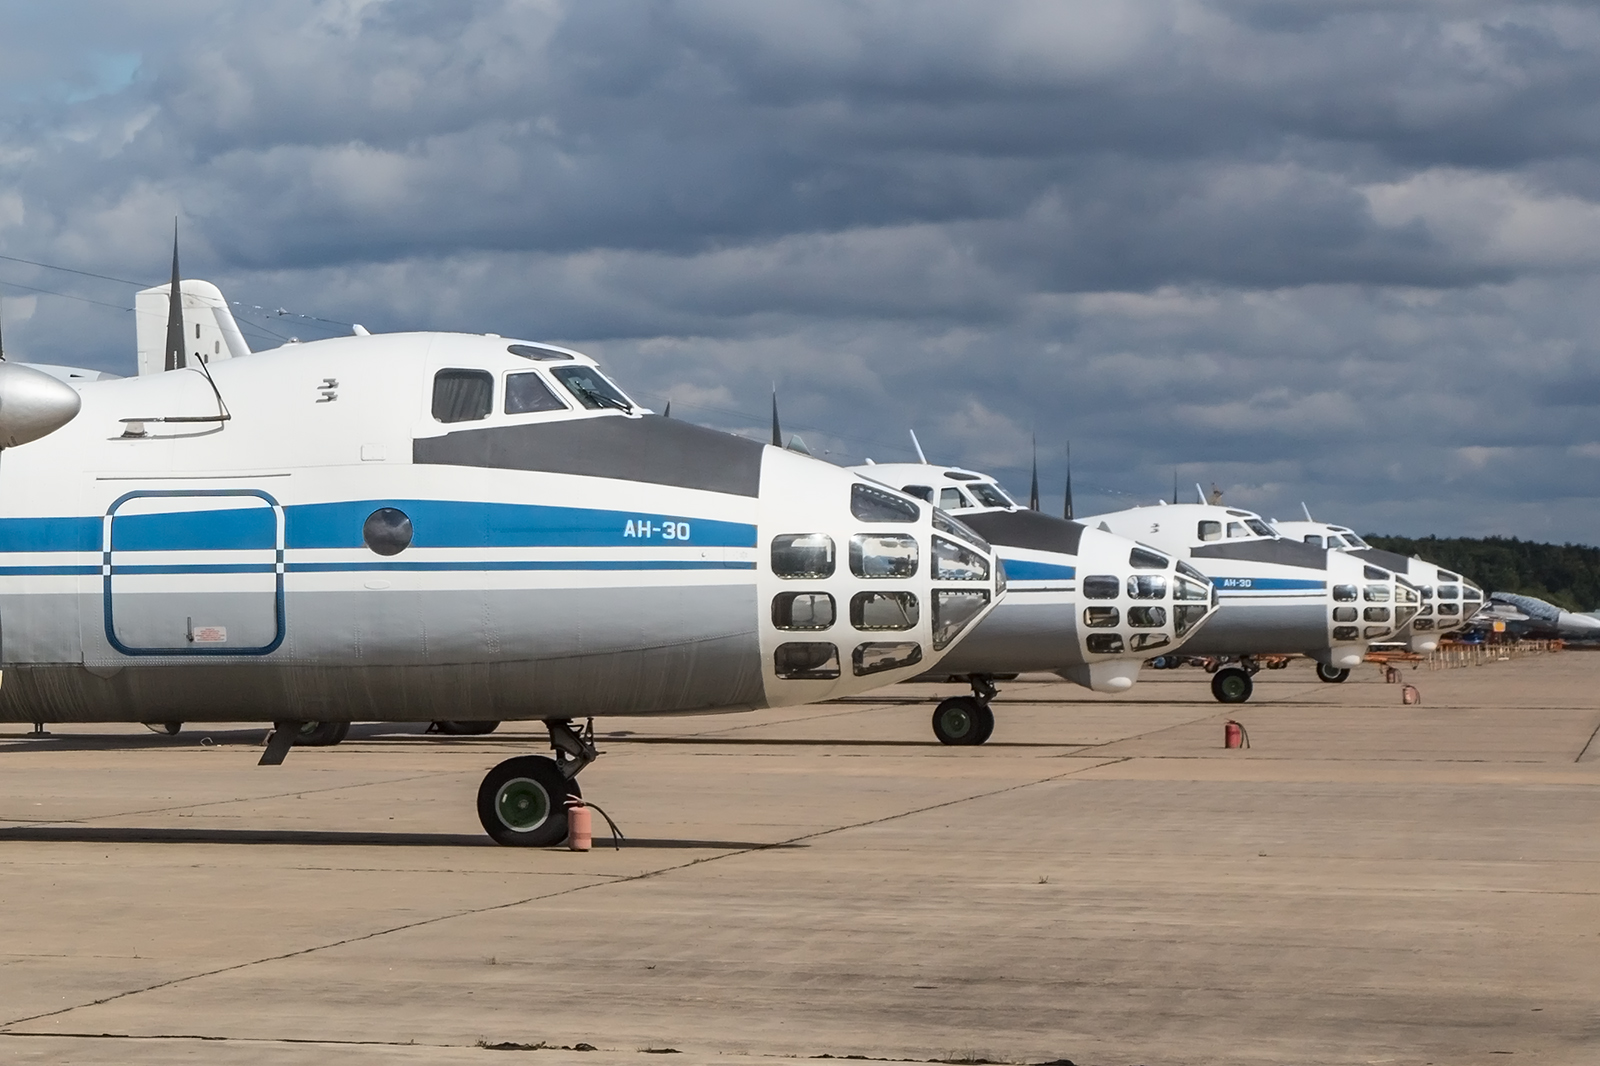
1103	883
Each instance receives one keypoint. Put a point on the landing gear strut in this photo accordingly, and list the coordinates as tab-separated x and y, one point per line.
966	719
523	801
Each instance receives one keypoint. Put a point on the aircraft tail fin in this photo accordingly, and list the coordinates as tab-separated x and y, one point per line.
209	329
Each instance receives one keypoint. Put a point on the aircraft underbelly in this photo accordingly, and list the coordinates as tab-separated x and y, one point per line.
1262	627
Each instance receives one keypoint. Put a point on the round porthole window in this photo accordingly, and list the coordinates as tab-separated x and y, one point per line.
387	531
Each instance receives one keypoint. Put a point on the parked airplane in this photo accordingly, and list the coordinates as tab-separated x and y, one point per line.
1052	566
1447	599
425	526
1277	596
1529	616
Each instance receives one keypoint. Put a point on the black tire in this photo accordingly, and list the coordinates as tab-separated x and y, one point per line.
321	734
522	803
1331	674
1231	685
959	720
465	729
985	725
171	729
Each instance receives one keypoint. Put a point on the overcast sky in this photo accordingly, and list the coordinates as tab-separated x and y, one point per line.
1341	252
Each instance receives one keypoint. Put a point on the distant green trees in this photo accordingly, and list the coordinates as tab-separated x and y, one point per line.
1568	575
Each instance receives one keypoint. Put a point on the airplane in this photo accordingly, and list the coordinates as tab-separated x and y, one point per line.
1156	602
1448	600
1529	616
420	526
1278	597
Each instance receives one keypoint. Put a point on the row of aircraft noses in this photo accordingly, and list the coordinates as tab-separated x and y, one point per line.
469	529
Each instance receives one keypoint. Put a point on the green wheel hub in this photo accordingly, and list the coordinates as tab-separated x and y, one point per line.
522	804
956	721
1233	686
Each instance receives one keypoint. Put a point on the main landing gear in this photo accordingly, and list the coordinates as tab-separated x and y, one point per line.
1331	674
966	719
523	801
1232	684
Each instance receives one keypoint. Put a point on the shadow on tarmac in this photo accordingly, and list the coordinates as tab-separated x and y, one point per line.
77	834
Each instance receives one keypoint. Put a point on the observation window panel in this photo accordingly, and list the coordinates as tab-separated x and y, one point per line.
1186	588
921	492
592	388
1346	633
806	661
1345	614
1102	587
1209	530
1147	587
953	611
1145	559
1375	614
1148	641
1425	591
883	555
1185	568
802	555
956	528
884	610
1313	540
1335	543
1235	531
1405	594
990	495
802	610
1259	528
1147	617
1344	593
1450	608
1471	592
1402	615
1104	643
1185	616
462	395
952	500
878	505
1449	592
877	657
1375	631
1101	617
387	531
538	354
526	394
1376	594
1445	575
1422	624
1372	573
956	562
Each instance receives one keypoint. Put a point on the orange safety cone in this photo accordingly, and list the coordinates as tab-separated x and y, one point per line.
580	836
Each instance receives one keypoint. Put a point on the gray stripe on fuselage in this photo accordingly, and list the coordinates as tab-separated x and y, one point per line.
1261	629
1389	560
652	449
1282	552
1018	637
1026	529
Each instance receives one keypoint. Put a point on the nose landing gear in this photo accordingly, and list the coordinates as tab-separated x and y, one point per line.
523	801
966	719
1331	674
1232	684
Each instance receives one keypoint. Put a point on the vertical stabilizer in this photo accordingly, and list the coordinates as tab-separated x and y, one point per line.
205	327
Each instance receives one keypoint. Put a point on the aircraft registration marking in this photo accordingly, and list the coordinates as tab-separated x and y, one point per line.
648	529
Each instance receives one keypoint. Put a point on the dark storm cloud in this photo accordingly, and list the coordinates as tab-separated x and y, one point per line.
1344	251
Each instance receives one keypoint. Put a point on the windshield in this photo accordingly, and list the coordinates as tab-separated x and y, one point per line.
990	495
1259	528
1357	541
591	388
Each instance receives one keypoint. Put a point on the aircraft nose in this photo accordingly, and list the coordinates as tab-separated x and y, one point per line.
33	404
858	585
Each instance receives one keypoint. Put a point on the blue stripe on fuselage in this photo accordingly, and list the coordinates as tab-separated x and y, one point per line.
1028	570
1265	584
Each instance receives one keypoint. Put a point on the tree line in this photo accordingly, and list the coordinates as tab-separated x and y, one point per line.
1568	575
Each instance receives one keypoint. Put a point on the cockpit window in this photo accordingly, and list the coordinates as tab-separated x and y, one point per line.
591	388
1313	540
1210	530
952	500
990	495
1235	530
462	395
538	354
527	393
876	505
921	492
1356	541
1145	559
1335	542
1258	527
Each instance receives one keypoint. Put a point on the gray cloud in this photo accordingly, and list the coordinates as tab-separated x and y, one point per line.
1345	252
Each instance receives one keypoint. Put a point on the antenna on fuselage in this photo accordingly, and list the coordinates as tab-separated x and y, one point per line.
1066	508
1033	486
915	443
777	434
1199	493
175	359
667	411
1174	485
1307	511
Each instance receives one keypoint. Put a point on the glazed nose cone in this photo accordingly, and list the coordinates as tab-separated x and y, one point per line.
33	404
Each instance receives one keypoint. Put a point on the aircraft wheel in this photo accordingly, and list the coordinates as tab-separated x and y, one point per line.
960	720
465	729
1232	685
321	734
1331	674
523	802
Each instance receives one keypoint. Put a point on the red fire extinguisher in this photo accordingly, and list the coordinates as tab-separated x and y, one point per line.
1234	735
580	832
